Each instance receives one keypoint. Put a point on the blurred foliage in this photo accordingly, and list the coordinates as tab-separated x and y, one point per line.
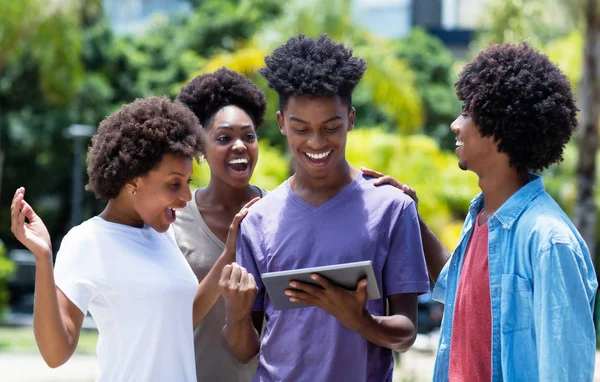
535	21
6	268
432	64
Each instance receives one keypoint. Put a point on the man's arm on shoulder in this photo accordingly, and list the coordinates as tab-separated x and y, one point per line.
563	317
436	255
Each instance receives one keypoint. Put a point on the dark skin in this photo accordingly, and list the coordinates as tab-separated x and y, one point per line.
497	179
316	130
230	135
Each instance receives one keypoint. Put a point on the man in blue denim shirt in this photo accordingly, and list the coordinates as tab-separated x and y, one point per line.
518	113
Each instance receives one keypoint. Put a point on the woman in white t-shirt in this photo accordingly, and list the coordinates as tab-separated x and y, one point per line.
231	109
124	265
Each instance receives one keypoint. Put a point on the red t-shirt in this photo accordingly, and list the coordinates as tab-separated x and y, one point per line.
471	344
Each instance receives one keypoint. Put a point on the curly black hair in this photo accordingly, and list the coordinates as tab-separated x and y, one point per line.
206	94
517	96
132	141
319	68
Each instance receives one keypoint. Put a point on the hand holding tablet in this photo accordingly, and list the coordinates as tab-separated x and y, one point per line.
344	275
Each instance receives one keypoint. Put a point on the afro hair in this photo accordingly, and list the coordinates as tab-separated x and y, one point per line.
132	141
517	96
318	68
206	94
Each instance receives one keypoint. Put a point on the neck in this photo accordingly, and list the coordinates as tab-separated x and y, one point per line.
220	193
338	178
499	185
118	210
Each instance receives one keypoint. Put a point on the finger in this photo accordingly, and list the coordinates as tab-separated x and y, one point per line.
322	281
236	274
386	179
301	297
305	287
369	172
251	281
14	207
361	288
226	272
28	211
250	203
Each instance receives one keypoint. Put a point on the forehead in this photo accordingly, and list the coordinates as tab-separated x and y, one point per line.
310	108
170	164
232	116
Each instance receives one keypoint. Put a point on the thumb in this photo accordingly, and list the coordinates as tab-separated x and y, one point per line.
361	288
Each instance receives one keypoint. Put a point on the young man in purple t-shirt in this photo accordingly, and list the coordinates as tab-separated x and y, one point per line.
327	213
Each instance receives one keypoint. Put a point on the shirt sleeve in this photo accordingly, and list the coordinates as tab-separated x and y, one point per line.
439	289
563	296
72	271
404	270
246	247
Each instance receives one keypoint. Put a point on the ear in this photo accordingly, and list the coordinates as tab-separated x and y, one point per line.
132	185
281	123
351	118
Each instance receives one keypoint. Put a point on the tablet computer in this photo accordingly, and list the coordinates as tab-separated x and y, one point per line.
345	275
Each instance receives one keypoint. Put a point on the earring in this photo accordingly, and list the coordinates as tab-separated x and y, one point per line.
133	192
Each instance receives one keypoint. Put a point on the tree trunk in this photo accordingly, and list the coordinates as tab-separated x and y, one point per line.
585	208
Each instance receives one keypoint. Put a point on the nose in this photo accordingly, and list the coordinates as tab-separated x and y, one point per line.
454	126
186	193
238	145
316	141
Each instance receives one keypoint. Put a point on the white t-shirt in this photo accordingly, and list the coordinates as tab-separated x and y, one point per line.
140	291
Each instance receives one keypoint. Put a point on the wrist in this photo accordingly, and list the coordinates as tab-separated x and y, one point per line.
364	322
43	257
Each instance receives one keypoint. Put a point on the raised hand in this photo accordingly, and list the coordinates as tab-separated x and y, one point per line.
235	225
238	288
32	233
349	307
386	179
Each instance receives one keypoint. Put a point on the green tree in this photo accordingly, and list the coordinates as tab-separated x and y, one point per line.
432	64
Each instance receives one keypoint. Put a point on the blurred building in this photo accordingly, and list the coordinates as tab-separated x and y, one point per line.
453	21
131	16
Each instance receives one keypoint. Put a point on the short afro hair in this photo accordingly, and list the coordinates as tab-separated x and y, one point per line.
206	94
318	68
132	141
517	96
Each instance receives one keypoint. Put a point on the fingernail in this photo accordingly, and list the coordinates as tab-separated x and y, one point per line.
314	277
288	293
293	284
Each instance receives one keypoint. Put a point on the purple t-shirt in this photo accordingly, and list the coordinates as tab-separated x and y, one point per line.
362	222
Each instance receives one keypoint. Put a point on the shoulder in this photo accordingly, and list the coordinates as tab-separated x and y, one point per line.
384	195
271	202
544	224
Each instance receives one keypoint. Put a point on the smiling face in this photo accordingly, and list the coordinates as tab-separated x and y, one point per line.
232	146
162	191
316	131
474	152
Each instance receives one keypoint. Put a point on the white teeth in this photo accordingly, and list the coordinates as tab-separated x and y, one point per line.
175	209
318	156
459	143
238	161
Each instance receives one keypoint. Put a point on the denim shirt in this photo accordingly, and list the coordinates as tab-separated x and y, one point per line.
542	289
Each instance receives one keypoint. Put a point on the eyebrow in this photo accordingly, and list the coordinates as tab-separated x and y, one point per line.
228	127
177	173
337	117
